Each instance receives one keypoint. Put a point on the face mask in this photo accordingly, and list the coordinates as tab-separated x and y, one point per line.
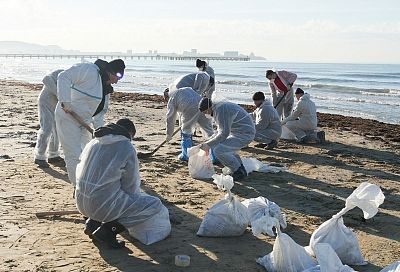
208	115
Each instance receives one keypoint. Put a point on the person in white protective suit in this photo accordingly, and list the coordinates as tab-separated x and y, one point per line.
266	119
47	139
185	101
199	82
303	118
281	82
203	66
108	190
83	89
235	131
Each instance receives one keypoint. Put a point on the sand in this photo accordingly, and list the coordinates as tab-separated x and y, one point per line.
320	177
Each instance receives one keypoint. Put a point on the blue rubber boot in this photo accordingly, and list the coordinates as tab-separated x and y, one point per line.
213	158
186	142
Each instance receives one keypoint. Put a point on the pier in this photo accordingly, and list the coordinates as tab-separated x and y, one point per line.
124	56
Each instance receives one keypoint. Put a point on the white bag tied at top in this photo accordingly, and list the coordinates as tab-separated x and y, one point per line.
287	255
228	217
200	165
260	211
343	240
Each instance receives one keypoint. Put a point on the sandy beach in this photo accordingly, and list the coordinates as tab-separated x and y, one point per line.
314	188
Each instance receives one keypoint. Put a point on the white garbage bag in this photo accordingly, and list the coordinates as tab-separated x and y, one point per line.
328	260
228	217
342	239
394	267
252	164
260	211
200	165
287	255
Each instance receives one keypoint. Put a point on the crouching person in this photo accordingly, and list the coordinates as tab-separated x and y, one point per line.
108	190
267	122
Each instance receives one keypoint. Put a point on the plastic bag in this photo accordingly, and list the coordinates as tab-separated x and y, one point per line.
342	239
252	164
394	267
286	256
228	217
200	165
260	211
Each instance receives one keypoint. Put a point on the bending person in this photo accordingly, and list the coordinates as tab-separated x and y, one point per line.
185	102
268	125
47	138
199	82
82	89
108	190
281	82
235	131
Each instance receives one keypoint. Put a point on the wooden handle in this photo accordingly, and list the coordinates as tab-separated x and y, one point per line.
81	122
44	214
163	143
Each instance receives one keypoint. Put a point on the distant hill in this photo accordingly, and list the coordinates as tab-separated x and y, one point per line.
11	47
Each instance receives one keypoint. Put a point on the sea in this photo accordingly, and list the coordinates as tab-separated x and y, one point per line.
369	91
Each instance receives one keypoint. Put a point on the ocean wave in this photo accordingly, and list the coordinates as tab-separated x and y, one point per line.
348	89
357	100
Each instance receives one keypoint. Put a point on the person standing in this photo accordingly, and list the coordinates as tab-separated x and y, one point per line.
82	89
204	67
281	87
47	139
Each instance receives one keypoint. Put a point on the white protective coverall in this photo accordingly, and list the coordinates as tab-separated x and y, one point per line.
210	71
81	86
197	81
47	138
285	107
306	114
108	189
185	101
235	131
267	122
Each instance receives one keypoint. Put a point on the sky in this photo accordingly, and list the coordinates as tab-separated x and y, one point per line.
358	31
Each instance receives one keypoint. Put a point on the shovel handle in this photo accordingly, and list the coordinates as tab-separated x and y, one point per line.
80	121
163	143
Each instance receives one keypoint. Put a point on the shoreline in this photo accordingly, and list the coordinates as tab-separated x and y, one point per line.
387	132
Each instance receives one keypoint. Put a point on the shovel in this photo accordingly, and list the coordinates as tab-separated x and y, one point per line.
81	122
147	155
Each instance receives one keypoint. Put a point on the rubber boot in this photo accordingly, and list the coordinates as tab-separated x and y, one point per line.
272	145
42	163
186	142
213	158
107	234
91	226
239	174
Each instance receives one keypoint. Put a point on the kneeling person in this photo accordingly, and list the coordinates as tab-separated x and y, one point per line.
235	131
303	120
267	122
108	190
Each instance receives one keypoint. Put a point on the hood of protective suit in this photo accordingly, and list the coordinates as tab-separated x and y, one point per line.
111	129
306	96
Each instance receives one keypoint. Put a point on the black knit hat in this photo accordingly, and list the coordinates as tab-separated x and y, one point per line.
200	63
299	91
258	96
205	104
117	67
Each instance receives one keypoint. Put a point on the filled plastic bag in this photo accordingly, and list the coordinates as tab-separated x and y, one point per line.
394	267
228	217
287	255
343	240
260	211
252	164
200	165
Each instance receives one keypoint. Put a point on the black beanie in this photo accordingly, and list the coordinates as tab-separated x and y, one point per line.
299	91
117	66
204	104
258	96
200	63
